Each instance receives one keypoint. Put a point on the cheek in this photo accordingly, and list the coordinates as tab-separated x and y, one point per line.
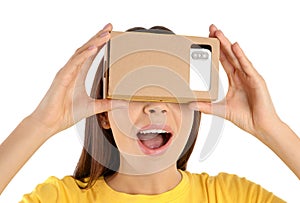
122	122
187	118
124	119
184	121
133	161
123	130
183	116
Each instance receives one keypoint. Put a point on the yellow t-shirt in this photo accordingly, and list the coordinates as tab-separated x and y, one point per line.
192	188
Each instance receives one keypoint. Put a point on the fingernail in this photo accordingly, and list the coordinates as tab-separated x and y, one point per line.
213	25
106	26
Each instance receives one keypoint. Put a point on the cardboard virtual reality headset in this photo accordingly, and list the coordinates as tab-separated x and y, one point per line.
141	66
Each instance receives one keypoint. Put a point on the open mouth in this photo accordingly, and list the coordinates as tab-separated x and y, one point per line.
154	141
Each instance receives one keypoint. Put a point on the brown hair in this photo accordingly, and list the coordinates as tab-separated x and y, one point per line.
100	155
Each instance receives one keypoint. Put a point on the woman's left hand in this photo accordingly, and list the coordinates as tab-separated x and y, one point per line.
248	103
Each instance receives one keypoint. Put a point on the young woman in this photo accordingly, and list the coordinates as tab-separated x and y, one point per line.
124	158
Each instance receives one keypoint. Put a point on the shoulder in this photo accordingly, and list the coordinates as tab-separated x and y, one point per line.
231	187
221	178
64	183
54	190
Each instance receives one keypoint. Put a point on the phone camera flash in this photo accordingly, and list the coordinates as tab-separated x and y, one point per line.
196	55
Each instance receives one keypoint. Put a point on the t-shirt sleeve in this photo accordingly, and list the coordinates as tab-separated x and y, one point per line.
43	193
242	190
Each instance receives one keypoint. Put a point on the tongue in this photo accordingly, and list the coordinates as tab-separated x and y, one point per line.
152	141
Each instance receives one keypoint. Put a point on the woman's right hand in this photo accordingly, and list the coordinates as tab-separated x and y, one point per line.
67	101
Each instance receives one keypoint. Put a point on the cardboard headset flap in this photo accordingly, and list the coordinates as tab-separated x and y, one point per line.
142	66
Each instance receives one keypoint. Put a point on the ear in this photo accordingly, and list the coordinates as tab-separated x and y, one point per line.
104	122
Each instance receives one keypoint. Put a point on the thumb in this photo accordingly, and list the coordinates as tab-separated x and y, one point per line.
103	105
217	109
204	107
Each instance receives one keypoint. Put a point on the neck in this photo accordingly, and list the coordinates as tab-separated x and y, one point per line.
156	183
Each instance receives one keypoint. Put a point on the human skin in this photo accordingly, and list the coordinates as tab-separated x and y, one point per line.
247	104
55	111
126	122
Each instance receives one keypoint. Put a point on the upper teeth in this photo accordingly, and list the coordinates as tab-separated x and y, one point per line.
152	131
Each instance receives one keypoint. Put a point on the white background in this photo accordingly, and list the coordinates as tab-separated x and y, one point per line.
38	37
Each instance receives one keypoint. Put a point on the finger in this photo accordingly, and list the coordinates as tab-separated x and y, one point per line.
86	64
97	41
86	51
78	59
223	59
226	47
69	72
78	66
106	29
104	105
217	109
229	69
212	30
246	64
204	107
83	71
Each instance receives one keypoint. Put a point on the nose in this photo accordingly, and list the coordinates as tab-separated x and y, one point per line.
156	108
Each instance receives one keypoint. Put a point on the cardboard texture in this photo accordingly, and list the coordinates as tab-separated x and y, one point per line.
142	66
